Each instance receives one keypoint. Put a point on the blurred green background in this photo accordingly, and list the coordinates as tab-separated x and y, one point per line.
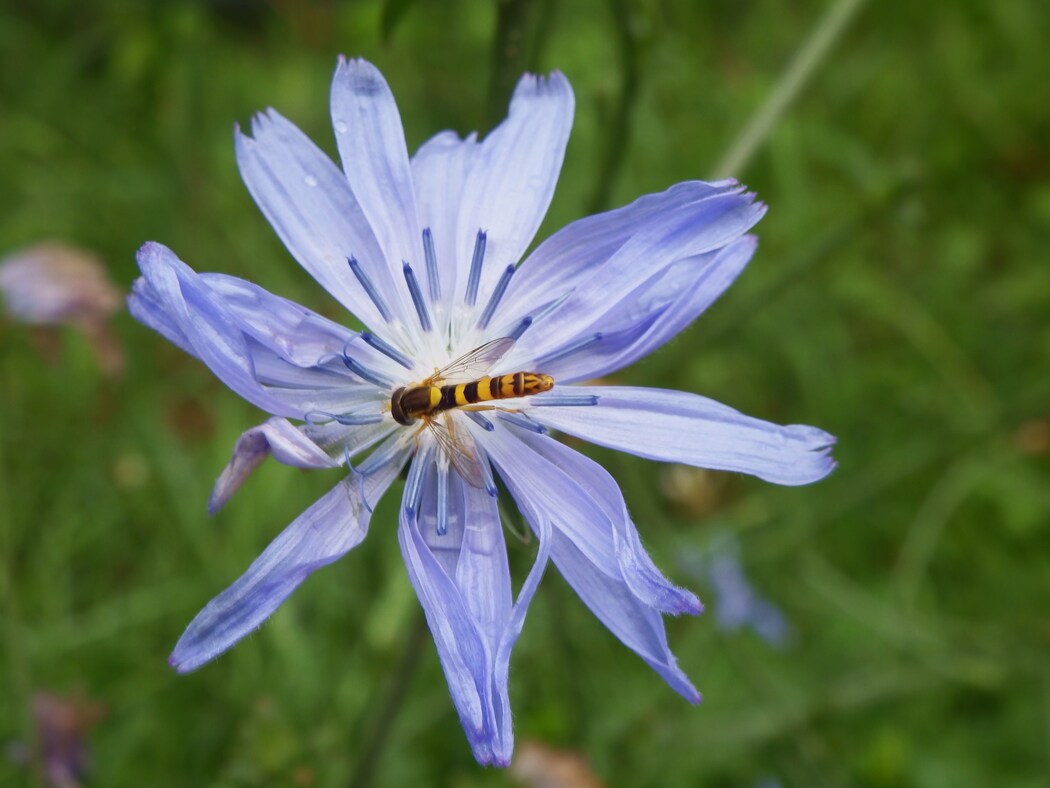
900	299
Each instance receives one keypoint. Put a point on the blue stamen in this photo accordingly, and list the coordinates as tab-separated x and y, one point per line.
414	484
480	420
442	499
432	265
486	472
417	296
568	350
564	400
475	268
519	420
346	419
384	455
356	478
494	299
557	302
520	328
387	350
369	288
363	372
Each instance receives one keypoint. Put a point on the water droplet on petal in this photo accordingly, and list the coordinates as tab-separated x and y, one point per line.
310	181
340	127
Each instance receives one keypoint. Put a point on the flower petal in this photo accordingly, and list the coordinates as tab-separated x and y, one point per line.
584	503
439	171
512	181
171	298
638	627
655	313
463	583
599	580
250	350
313	210
676	426
598	264
278	437
335	524
297	334
372	147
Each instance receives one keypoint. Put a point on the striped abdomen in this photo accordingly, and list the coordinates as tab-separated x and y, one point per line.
410	402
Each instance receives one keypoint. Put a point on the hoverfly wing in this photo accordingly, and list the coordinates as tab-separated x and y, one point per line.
458	445
474	364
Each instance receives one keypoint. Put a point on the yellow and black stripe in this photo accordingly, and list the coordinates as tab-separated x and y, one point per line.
410	402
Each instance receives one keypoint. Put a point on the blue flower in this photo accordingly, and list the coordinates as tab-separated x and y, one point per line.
424	251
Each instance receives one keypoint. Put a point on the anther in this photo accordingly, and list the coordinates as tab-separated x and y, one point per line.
520	328
432	266
476	262
347	419
417	296
568	350
387	350
494	299
442	498
480	420
519	420
563	400
414	484
486	474
362	371
369	288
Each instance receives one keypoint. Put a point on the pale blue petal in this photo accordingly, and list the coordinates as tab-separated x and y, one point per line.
638	627
582	249
170	294
655	313
676	426
463	583
597	580
278	437
297	334
512	180
335	524
372	148
584	503
256	352
439	170
600	285
312	208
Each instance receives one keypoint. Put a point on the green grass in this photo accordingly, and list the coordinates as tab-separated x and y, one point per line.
900	299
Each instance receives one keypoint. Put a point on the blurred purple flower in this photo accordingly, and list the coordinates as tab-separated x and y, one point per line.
738	605
60	748
52	284
423	251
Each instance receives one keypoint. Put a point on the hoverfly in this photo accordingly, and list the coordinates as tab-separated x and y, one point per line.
463	384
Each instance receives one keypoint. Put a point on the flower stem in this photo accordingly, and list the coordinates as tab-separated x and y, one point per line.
791	82
393	698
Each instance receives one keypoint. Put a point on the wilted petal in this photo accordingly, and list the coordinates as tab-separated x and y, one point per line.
277	436
312	208
335	524
676	426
